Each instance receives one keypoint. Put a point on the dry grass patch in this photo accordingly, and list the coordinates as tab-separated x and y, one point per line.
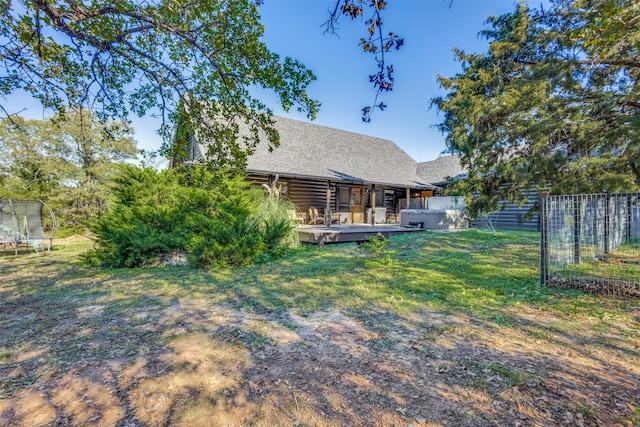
448	330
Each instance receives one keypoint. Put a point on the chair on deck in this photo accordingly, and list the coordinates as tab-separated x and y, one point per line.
315	217
335	218
297	218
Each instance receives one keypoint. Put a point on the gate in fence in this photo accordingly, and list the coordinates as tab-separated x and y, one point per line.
591	242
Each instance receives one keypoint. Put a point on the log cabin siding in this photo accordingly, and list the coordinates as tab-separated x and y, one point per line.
304	193
314	160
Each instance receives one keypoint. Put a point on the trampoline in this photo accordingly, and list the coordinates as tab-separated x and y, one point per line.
26	223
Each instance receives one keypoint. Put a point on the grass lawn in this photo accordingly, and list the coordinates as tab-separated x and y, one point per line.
435	329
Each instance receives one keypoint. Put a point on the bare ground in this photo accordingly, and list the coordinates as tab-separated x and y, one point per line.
161	359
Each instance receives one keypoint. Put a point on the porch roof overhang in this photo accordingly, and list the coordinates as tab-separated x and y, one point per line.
339	178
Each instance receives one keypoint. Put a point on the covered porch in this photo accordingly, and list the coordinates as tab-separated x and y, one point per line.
342	202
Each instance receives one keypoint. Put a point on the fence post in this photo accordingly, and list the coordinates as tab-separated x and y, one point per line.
629	218
607	225
544	241
577	219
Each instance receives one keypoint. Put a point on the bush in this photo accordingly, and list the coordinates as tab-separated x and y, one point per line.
144	221
276	227
218	218
376	246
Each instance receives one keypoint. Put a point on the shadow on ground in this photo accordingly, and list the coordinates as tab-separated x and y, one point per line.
129	348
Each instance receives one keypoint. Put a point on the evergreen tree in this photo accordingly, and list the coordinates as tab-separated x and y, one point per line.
218	218
553	104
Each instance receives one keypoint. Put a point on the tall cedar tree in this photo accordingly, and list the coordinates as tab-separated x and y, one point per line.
553	104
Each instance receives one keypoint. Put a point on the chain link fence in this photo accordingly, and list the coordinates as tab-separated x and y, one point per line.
591	242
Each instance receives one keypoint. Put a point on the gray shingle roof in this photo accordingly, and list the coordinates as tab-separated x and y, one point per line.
441	170
313	151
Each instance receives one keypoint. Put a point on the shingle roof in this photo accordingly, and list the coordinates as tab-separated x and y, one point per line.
314	151
441	170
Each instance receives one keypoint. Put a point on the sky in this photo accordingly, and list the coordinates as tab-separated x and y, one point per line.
430	28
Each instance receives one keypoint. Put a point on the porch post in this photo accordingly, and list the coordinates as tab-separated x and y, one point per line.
408	196
577	228
327	209
607	223
373	204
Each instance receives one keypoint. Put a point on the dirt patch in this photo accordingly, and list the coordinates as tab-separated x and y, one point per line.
125	348
343	373
193	363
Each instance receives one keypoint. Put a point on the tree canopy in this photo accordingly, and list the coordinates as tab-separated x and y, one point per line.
186	61
67	163
553	104
149	57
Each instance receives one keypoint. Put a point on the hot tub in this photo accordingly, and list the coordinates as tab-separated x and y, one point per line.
433	219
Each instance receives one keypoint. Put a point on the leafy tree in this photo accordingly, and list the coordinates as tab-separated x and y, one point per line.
94	148
31	164
144	56
65	162
553	104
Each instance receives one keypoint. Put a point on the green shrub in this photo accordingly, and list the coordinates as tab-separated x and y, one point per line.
276	227
376	245
231	235
218	218
143	222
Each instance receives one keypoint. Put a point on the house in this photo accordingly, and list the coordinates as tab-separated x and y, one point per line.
447	169
339	172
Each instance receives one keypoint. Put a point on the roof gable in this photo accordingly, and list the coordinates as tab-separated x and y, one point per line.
441	170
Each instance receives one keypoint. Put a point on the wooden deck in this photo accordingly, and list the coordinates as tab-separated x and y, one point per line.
321	234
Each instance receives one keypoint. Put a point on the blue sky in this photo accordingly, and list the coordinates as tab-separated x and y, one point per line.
431	28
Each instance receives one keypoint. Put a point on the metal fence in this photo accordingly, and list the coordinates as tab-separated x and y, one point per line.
591	242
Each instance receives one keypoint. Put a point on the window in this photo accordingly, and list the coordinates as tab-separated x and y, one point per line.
343	196
390	199
379	198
